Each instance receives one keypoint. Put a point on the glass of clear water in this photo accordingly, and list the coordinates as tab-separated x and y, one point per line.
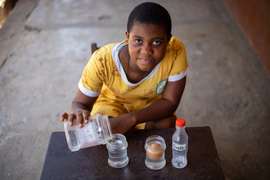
117	150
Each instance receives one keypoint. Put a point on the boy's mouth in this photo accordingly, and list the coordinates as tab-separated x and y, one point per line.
145	60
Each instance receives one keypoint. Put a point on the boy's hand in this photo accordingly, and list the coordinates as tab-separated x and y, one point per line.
121	124
80	115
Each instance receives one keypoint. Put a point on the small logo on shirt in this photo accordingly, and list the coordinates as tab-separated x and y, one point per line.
161	86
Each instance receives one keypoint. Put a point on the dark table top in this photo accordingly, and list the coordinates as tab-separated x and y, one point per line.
92	163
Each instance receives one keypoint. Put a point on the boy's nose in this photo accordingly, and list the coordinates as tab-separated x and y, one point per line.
146	49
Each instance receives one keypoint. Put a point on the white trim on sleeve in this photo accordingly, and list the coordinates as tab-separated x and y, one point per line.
179	76
87	92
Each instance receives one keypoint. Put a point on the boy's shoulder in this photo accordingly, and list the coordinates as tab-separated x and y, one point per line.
175	41
174	45
104	50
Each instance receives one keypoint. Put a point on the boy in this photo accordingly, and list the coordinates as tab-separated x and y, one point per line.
138	82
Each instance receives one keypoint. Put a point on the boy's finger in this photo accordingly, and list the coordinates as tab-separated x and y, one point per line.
63	117
79	118
70	119
86	116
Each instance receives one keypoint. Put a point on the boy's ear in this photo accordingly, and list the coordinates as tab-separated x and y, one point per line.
169	37
127	35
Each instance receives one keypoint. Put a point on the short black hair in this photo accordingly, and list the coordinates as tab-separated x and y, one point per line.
150	13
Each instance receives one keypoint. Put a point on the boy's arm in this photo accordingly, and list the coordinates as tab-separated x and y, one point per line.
80	109
158	110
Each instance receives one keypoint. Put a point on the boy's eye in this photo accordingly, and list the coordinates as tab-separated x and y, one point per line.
138	41
156	42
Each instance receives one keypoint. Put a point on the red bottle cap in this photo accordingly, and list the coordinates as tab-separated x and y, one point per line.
180	122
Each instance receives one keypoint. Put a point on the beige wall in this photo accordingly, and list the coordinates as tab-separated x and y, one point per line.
254	18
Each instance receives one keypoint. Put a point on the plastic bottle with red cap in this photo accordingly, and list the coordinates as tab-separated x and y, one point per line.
179	145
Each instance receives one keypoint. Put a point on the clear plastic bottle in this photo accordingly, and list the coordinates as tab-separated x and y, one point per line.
179	145
96	132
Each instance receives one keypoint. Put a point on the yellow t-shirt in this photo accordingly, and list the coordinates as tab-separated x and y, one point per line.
105	77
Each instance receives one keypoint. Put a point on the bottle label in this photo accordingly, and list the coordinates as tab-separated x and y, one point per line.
179	147
89	132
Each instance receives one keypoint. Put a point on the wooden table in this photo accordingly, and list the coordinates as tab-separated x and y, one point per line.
92	163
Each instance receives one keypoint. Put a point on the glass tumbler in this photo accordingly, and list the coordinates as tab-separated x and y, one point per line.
117	150
155	152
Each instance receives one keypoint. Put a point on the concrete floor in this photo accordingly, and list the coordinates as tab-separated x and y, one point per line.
46	44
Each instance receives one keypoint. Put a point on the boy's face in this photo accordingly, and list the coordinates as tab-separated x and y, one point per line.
147	44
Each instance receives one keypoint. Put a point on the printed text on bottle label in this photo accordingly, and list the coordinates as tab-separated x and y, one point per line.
179	147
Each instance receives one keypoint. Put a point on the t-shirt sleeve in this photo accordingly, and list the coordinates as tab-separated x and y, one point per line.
92	78
180	66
